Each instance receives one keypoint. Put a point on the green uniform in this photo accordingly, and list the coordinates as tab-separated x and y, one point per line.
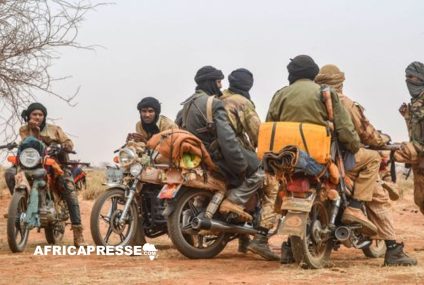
302	102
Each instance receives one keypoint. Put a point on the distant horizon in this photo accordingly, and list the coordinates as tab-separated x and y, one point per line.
154	49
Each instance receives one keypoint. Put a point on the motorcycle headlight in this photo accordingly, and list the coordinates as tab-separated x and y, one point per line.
126	156
29	157
136	169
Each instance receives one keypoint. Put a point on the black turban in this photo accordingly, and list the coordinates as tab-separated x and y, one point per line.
149	102
241	81
415	87
32	107
206	78
302	67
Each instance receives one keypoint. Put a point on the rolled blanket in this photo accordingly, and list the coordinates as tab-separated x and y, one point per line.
291	159
174	144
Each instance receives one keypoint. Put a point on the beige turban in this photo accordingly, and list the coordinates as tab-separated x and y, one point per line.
331	75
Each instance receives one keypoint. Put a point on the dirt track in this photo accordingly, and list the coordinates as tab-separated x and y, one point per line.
229	267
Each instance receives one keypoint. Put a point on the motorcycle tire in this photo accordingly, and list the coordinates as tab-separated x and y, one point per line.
53	235
185	242
301	247
133	237
17	205
375	250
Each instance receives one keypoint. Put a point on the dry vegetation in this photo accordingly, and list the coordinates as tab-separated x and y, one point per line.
95	178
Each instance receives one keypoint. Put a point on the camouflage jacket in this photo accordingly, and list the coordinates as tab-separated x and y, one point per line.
163	124
50	133
302	102
366	131
414	117
243	118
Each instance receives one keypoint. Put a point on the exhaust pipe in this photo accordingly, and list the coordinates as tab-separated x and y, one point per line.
210	224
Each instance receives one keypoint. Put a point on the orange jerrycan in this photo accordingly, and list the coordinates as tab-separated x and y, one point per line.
311	138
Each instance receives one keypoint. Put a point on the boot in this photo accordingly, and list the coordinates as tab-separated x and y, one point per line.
227	206
78	236
286	253
259	245
354	215
396	256
243	243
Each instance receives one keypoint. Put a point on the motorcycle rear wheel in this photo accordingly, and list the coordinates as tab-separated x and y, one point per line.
17	232
307	252
376	249
54	233
194	246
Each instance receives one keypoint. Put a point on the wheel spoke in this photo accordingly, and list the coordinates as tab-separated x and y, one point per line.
109	232
105	218
200	241
121	236
193	208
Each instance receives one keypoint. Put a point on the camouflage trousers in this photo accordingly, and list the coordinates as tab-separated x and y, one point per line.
409	154
379	212
365	174
270	191
418	187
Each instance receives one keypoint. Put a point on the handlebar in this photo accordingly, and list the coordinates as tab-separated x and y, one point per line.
9	146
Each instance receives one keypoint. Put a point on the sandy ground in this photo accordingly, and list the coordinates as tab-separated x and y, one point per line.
230	267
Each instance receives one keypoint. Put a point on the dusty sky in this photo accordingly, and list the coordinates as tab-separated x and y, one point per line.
154	48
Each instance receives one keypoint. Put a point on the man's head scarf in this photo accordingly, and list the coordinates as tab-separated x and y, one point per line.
302	67
241	81
331	75
31	108
415	87
150	102
206	78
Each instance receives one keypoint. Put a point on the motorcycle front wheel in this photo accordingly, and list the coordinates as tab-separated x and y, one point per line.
17	232
193	244
313	250
104	221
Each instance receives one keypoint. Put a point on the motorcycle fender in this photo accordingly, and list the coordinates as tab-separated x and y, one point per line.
21	181
294	224
113	186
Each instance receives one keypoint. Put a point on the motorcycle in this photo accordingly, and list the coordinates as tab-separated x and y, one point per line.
313	209
129	210
36	202
196	227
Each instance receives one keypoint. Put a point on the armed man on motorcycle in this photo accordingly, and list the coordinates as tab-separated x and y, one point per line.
151	121
412	153
301	102
205	116
379	208
245	122
35	116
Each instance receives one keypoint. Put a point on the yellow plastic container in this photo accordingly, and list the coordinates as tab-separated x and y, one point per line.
273	136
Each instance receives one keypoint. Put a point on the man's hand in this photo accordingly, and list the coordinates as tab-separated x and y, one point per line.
67	146
136	137
404	109
386	138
